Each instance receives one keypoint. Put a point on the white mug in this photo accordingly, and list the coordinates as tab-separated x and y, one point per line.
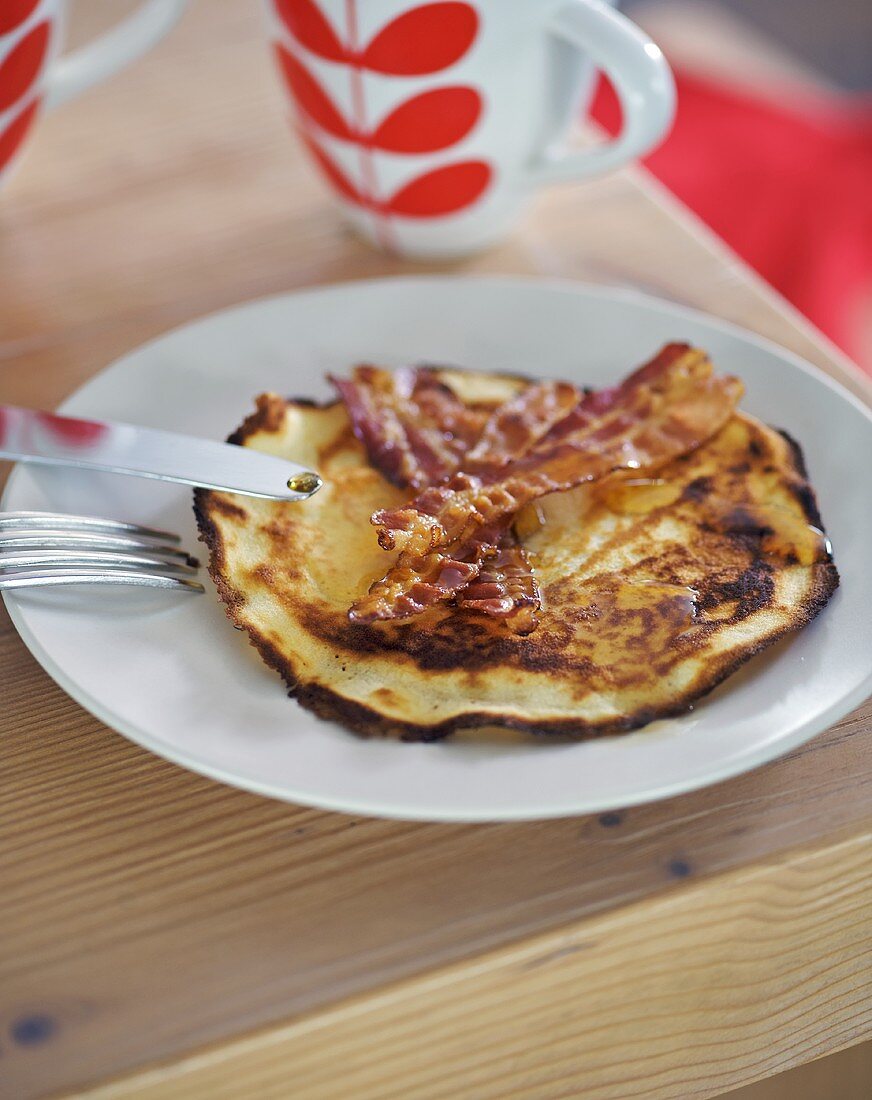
33	76
433	122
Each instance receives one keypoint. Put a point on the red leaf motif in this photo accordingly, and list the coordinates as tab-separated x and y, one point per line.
76	433
443	191
15	133
430	121
310	96
333	173
423	40
311	28
14	12
21	66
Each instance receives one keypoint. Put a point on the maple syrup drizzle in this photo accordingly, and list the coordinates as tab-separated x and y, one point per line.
781	531
630	627
637	496
626	629
529	520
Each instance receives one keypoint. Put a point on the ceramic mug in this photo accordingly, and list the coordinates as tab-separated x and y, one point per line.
33	76
434	122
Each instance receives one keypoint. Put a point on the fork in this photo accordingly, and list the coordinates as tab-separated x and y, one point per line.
43	549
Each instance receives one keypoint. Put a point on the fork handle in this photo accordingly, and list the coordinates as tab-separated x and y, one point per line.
43	578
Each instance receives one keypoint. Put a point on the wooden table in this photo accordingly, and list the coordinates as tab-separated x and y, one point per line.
181	939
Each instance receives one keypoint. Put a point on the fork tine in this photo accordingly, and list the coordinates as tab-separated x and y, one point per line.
40	578
40	521
47	540
45	558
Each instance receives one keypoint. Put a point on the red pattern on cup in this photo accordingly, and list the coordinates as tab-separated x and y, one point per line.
311	97
425	123
333	173
429	121
14	12
22	65
423	40
444	190
12	137
311	28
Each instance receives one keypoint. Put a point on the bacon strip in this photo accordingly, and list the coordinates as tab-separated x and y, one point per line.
415	582
505	588
379	404
491	575
515	426
414	585
665	409
653	418
414	428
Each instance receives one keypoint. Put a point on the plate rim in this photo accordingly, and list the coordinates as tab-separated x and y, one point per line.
572	286
363	806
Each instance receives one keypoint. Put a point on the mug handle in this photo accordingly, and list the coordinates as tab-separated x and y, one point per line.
641	78
112	51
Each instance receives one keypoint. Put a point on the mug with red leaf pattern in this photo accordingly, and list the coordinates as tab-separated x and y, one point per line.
33	76
433	121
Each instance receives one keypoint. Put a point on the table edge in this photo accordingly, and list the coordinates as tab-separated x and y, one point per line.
563	954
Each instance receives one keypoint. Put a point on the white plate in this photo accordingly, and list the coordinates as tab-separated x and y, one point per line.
172	675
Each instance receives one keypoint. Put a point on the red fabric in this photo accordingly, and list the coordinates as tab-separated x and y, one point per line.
788	186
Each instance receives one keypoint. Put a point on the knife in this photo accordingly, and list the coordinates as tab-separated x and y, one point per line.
27	435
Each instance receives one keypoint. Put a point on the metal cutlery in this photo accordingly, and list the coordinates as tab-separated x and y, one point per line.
27	435
44	549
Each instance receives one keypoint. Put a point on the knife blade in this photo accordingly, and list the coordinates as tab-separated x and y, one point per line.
28	435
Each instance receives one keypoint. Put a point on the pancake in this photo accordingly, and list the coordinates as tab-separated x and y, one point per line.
653	589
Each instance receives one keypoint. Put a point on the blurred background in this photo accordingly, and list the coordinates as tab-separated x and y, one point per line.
772	145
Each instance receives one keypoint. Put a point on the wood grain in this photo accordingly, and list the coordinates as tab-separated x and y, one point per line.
148	913
730	978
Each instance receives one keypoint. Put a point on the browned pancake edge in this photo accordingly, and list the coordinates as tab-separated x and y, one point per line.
332	705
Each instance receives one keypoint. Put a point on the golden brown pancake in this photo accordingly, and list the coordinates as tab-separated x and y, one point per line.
654	589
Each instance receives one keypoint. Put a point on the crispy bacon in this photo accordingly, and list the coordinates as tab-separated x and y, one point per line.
427	579
413	585
505	588
490	574
414	428
665	409
652	418
515	426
